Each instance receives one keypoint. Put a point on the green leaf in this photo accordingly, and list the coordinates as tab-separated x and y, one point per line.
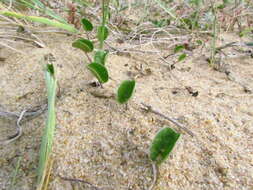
87	25
199	42
163	144
125	91
161	23
102	33
99	71
100	56
50	69
41	20
83	44
181	57
249	44
178	48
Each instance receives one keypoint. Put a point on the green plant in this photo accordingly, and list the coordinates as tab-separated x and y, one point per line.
48	135
179	49
163	144
97	66
214	36
125	91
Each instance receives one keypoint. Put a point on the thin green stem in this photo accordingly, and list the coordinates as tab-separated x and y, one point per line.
213	48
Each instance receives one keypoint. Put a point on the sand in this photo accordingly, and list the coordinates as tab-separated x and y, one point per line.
99	141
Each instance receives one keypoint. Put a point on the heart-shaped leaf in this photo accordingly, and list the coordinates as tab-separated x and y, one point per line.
83	44
99	71
163	144
87	25
102	33
100	56
125	91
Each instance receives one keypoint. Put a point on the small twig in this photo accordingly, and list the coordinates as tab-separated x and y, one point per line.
24	115
79	181
149	108
18	133
6	45
231	44
155	175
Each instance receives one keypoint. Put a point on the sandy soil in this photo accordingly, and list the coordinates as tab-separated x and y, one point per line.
98	141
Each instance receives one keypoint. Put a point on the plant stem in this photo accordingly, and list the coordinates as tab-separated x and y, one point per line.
88	57
213	48
105	4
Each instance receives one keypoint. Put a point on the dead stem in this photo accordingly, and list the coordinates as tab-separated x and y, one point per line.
155	175
79	181
24	115
149	108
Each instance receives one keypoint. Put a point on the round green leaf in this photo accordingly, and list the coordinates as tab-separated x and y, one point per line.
87	25
103	33
125	91
100	56
99	71
83	44
163	144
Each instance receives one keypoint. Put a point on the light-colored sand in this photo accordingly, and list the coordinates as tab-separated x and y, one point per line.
100	142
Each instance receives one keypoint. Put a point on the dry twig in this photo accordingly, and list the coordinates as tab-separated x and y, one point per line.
79	181
149	108
24	115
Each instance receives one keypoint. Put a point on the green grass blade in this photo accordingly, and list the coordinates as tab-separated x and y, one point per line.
41	20
15	174
38	5
47	139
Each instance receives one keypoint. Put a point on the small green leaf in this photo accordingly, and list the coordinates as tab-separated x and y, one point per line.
249	44
199	42
181	57
163	144
83	44
125	91
99	71
178	48
50	69
87	25
102	33
100	56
